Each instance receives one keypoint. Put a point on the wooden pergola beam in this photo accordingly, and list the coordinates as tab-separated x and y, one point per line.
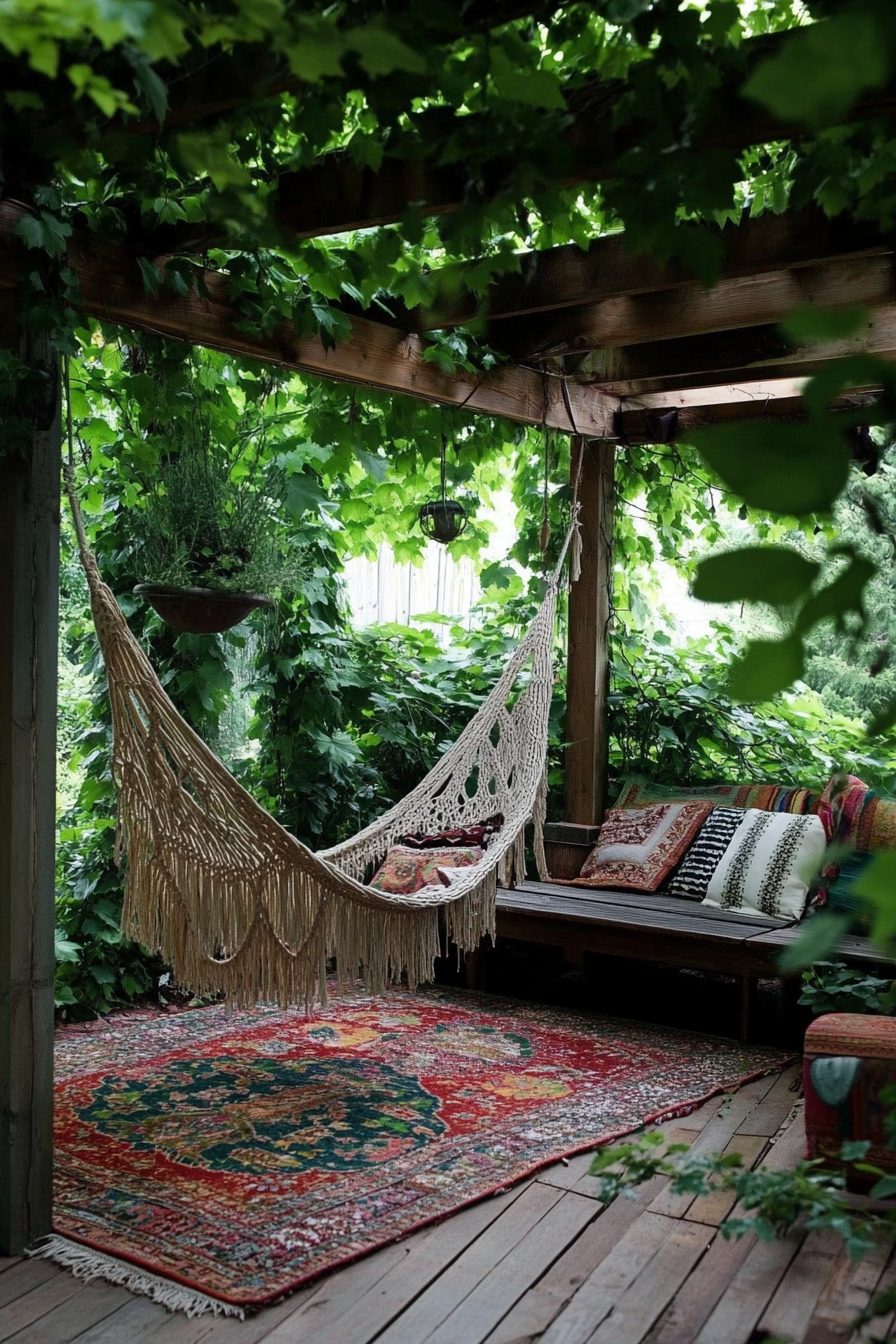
570	276
636	419
746	355
111	289
692	310
335	196
330	199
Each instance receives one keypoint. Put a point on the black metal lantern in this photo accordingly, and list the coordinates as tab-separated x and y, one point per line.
443	519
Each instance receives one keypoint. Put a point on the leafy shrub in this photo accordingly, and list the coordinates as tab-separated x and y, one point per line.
832	987
671	719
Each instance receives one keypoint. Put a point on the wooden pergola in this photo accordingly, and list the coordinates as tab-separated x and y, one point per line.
631	342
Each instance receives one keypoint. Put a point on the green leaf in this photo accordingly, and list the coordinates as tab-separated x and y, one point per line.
380	52
152	89
818	937
811	324
534	88
152	276
845	594
821	70
210	154
497	576
773	574
372	463
303	493
785	468
768	667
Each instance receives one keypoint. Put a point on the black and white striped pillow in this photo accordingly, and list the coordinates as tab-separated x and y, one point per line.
692	876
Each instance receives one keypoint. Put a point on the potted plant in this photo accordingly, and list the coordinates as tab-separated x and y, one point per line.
208	546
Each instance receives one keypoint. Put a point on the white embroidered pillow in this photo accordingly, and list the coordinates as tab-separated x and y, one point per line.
767	866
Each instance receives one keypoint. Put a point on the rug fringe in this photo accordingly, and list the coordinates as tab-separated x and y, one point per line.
88	1264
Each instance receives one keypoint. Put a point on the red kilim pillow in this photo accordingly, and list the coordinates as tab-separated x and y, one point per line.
637	849
405	870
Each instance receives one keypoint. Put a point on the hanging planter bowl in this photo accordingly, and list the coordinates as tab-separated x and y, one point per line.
200	611
443	520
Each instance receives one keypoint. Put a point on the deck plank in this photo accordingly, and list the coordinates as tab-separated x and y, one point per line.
431	1253
733	1111
130	1323
22	1277
462	1278
714	1208
881	1326
653	1289
793	1305
535	1311
700	1295
610	1280
31	1306
86	1307
848	1291
474	1318
746	1297
7	1261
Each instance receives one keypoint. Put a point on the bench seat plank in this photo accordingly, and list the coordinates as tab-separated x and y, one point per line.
644	900
859	951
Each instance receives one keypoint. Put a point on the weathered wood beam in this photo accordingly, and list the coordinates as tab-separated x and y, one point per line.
590	607
29	631
570	276
111	289
691	310
318	201
636	419
742	356
334	196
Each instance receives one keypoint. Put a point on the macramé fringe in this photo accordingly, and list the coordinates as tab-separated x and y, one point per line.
87	1264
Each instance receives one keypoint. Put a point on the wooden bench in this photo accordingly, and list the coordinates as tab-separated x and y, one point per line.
658	929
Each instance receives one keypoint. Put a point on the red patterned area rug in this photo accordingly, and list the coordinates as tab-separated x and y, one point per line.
219	1160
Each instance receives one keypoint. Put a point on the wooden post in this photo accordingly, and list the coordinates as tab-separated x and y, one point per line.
587	675
29	621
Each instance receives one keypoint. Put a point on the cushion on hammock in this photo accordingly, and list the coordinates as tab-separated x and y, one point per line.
405	870
639	848
477	834
767	866
692	876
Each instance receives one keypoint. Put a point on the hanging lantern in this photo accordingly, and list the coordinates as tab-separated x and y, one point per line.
443	520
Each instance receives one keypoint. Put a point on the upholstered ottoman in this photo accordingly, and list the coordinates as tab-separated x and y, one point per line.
849	1060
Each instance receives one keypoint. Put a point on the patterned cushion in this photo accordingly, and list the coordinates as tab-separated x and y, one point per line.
877	824
691	877
461	837
405	870
762	870
643	793
637	849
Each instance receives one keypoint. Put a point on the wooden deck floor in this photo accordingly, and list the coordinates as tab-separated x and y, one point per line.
544	1261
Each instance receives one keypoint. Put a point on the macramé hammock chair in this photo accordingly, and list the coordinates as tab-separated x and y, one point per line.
233	902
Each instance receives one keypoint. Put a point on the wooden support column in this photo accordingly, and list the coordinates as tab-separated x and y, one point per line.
589	619
29	620
567	843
